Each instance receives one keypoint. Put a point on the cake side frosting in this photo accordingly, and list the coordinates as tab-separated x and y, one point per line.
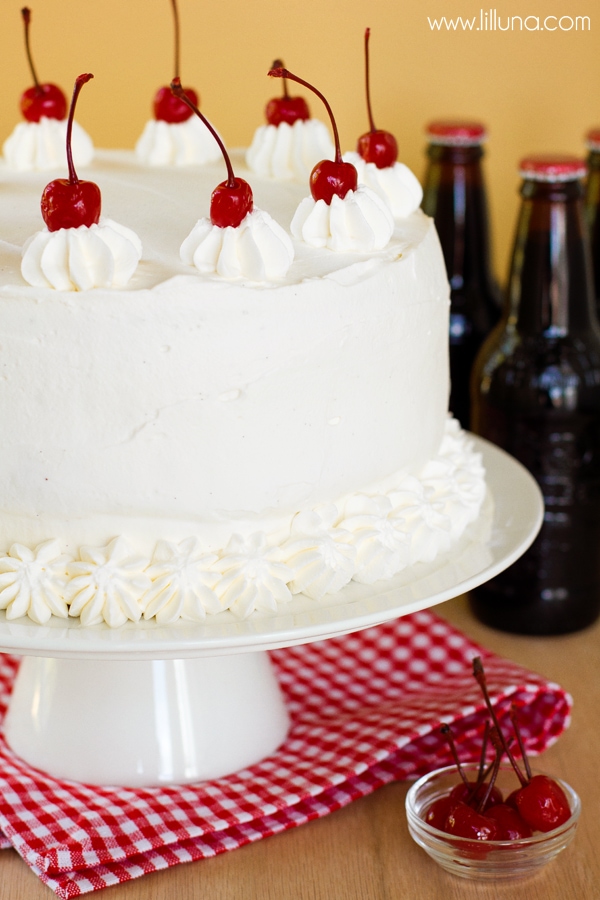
225	429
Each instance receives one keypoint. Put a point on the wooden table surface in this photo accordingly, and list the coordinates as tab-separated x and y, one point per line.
364	852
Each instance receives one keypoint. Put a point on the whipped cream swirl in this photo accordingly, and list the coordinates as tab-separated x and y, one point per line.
176	144
360	222
41	145
382	548
183	581
396	184
253	576
258	249
79	259
106	584
321	555
289	152
33	582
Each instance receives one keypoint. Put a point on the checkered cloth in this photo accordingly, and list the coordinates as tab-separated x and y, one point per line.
365	711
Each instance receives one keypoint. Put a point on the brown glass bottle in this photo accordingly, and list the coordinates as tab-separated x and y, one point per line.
455	197
592	206
536	393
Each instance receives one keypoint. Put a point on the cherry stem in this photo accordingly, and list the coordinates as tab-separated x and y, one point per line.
177	89
26	13
447	732
79	83
176	22
278	64
513	717
367	79
484	743
480	678
497	742
280	72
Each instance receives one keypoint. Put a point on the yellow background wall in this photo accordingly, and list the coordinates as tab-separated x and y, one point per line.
536	90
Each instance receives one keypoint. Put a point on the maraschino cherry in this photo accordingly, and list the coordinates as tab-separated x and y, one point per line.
167	106
376	146
329	177
231	200
286	109
42	100
69	202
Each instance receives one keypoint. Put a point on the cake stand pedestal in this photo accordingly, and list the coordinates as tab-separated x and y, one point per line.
148	704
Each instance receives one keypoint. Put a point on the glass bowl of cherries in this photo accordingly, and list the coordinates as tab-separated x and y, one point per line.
492	819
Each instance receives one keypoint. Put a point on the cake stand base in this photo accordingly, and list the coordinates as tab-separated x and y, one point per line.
145	722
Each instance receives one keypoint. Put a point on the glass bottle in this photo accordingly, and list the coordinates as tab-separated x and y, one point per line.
536	393
592	205
454	195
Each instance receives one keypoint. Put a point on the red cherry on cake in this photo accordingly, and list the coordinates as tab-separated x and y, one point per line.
69	202
167	107
286	109
329	177
376	146
42	99
231	200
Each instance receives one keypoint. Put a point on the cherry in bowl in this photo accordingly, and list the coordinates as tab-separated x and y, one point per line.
490	859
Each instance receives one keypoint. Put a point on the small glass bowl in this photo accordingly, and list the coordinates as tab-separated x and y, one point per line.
484	860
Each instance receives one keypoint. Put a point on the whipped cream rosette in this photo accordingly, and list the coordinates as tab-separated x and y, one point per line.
33	582
341	214
103	255
176	144
257	249
289	152
396	184
358	222
237	241
38	143
41	145
78	250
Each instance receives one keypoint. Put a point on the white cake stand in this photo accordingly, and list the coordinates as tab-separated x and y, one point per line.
148	704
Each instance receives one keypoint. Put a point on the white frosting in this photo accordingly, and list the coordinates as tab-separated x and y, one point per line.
183	581
187	405
258	249
42	145
33	582
253	577
247	440
363	536
396	184
79	259
289	152
359	223
106	584
321	556
177	144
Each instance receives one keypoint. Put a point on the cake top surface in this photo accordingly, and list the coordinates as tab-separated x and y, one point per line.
162	204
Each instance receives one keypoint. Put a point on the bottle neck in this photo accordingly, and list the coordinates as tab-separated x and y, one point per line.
592	211
454	196
550	284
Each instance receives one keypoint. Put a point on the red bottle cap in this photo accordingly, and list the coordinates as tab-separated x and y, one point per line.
456	133
593	139
554	167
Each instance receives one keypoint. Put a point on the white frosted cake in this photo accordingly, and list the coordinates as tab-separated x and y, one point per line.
191	445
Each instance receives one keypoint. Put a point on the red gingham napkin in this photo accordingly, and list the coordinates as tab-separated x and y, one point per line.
365	711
